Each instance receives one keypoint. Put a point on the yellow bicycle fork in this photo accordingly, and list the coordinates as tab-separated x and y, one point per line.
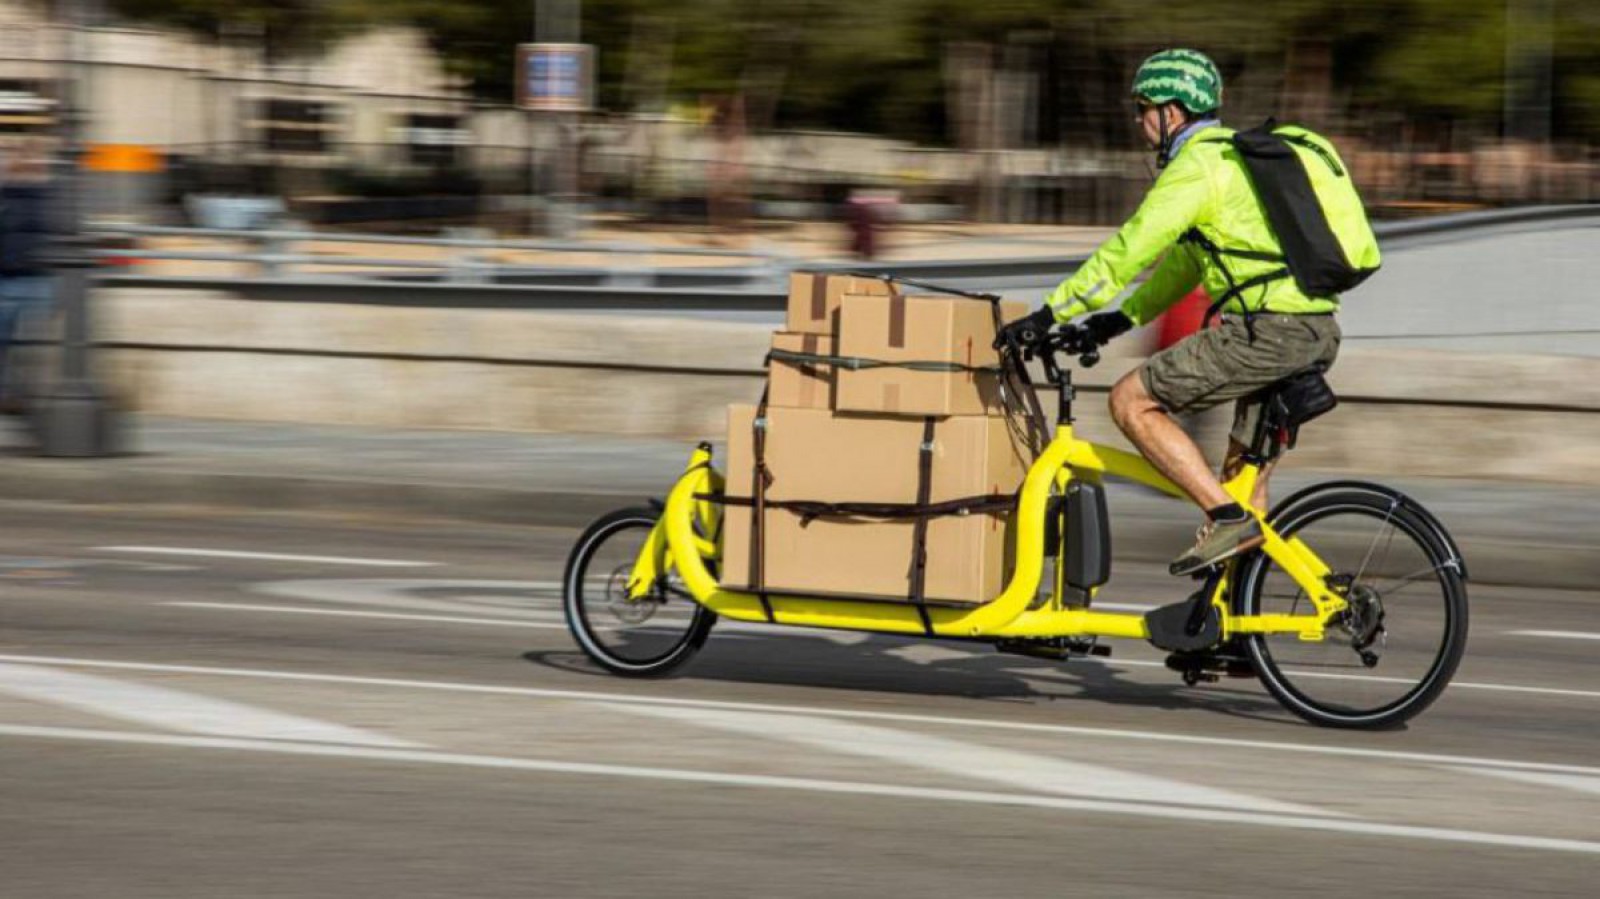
683	541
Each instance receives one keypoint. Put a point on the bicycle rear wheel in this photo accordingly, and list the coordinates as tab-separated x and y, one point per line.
1392	652
647	637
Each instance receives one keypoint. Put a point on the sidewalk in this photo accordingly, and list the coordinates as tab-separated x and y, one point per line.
1533	535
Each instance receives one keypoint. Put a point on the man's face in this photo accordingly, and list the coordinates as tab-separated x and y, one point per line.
1149	118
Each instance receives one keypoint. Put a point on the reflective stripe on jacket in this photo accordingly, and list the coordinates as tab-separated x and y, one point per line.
1205	188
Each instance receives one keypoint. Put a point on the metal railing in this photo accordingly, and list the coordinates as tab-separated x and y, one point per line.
630	282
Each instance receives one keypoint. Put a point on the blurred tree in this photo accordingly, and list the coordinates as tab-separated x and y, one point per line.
283	28
890	66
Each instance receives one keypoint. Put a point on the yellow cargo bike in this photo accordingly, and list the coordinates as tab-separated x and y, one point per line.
1353	613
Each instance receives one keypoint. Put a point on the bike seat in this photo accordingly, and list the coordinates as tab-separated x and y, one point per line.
1286	405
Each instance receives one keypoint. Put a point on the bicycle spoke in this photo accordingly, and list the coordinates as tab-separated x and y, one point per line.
1408	580
1386	523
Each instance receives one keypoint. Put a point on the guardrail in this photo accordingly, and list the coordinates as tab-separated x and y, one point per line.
466	279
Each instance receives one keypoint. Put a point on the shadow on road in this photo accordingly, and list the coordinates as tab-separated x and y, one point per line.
927	668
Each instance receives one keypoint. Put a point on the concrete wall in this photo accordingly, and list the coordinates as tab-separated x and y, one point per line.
209	354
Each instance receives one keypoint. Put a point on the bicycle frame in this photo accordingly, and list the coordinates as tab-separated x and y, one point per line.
675	544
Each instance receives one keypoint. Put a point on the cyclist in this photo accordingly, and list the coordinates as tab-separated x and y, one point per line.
1202	205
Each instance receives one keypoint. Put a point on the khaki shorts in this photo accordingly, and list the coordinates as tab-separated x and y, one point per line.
1222	364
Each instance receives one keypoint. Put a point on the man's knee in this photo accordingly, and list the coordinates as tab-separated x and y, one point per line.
1129	399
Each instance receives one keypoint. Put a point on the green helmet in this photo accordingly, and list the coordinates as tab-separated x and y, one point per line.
1185	76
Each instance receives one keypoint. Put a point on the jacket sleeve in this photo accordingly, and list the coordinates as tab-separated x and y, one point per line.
1177	274
1172	206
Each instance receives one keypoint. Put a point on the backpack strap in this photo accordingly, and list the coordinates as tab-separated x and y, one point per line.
1235	288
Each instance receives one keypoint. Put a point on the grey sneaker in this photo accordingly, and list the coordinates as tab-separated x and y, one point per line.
1215	542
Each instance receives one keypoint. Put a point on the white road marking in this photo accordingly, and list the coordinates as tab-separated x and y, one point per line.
1579	783
174	709
267	557
969	761
1559	635
858	714
717	778
556	621
509	598
354	613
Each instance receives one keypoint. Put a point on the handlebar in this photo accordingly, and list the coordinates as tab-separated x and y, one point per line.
1069	340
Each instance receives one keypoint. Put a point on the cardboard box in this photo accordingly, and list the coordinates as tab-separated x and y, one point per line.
797	384
813	455
814	299
920	329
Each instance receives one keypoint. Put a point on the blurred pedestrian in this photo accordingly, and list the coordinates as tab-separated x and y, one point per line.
26	286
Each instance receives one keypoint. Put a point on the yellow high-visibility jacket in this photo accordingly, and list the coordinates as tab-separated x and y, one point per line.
1204	196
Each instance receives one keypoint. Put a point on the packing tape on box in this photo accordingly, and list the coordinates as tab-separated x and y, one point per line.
897	320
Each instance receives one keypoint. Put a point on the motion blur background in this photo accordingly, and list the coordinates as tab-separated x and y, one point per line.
358	344
741	112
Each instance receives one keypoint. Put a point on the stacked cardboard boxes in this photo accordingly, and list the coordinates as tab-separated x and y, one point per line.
841	426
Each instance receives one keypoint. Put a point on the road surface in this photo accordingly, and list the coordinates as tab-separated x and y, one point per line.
202	704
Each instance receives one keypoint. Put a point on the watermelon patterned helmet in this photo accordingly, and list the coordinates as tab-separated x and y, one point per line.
1184	76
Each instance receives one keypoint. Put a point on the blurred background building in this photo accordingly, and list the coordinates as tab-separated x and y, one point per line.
361	112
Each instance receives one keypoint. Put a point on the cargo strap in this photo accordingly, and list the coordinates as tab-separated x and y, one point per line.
919	532
923	285
858	363
758	491
811	510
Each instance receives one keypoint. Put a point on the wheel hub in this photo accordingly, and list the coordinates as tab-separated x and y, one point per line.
624	608
1363	621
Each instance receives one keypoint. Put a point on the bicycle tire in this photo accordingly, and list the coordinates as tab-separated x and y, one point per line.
662	659
1291	683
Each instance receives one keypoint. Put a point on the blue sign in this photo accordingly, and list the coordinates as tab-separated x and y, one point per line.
555	76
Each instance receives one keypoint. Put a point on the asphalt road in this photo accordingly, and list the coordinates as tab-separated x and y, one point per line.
374	708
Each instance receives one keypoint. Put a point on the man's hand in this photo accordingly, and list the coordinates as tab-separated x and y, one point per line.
1106	326
1028	330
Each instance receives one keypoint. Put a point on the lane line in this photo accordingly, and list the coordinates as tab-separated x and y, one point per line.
174	709
1559	635
813	785
266	557
552	619
353	613
966	761
859	714
1578	783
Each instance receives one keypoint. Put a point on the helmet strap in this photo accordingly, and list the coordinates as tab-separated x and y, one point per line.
1164	146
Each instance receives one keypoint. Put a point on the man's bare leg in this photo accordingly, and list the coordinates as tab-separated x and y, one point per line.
1165	444
1259	498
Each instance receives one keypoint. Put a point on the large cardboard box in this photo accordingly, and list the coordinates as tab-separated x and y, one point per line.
920	329
801	385
814	299
813	455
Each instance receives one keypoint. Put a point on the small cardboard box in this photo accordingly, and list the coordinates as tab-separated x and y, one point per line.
920	329
812	455
814	299
801	385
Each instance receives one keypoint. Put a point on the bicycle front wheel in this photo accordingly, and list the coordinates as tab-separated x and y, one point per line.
1392	652
646	637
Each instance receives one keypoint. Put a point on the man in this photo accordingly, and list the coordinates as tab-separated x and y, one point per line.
1201	208
25	230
